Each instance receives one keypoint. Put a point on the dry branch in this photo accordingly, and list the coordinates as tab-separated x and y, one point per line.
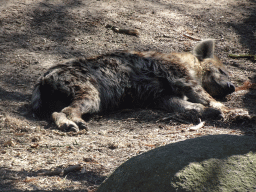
196	127
61	171
247	85
192	38
243	56
133	32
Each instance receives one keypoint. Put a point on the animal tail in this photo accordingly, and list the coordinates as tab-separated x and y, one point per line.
36	100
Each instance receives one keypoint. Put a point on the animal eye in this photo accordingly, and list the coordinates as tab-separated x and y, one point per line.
222	72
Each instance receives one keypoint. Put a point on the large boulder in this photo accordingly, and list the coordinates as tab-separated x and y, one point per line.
209	163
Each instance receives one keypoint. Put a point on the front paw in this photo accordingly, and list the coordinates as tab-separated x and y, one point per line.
212	113
82	125
69	126
63	123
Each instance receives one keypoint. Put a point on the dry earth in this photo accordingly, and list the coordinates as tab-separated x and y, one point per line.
35	34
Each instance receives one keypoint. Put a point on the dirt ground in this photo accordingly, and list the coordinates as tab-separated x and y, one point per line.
36	34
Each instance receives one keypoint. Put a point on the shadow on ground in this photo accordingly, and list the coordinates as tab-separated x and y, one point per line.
249	98
47	23
246	28
13	96
9	179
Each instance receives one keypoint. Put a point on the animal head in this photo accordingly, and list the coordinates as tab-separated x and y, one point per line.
215	77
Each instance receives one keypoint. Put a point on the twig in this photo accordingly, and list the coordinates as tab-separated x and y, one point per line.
133	32
72	168
196	127
60	171
243	56
192	38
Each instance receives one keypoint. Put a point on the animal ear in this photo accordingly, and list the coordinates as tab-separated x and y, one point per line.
204	50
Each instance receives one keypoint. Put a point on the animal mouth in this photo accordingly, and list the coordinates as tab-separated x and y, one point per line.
220	90
231	88
226	90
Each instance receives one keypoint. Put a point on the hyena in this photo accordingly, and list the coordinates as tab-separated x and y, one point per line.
174	82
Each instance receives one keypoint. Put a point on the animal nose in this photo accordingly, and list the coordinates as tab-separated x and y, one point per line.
231	87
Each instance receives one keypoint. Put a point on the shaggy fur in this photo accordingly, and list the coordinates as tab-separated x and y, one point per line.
173	82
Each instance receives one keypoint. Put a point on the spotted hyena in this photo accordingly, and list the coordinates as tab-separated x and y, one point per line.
174	82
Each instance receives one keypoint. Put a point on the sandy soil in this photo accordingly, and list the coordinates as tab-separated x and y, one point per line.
36	34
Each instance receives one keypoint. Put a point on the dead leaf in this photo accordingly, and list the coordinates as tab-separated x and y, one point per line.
36	139
19	134
150	145
246	85
89	160
27	180
36	145
112	145
9	143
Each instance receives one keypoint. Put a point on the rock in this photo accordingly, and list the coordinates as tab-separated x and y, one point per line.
209	163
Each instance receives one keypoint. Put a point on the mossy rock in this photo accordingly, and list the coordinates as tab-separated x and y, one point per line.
209	163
